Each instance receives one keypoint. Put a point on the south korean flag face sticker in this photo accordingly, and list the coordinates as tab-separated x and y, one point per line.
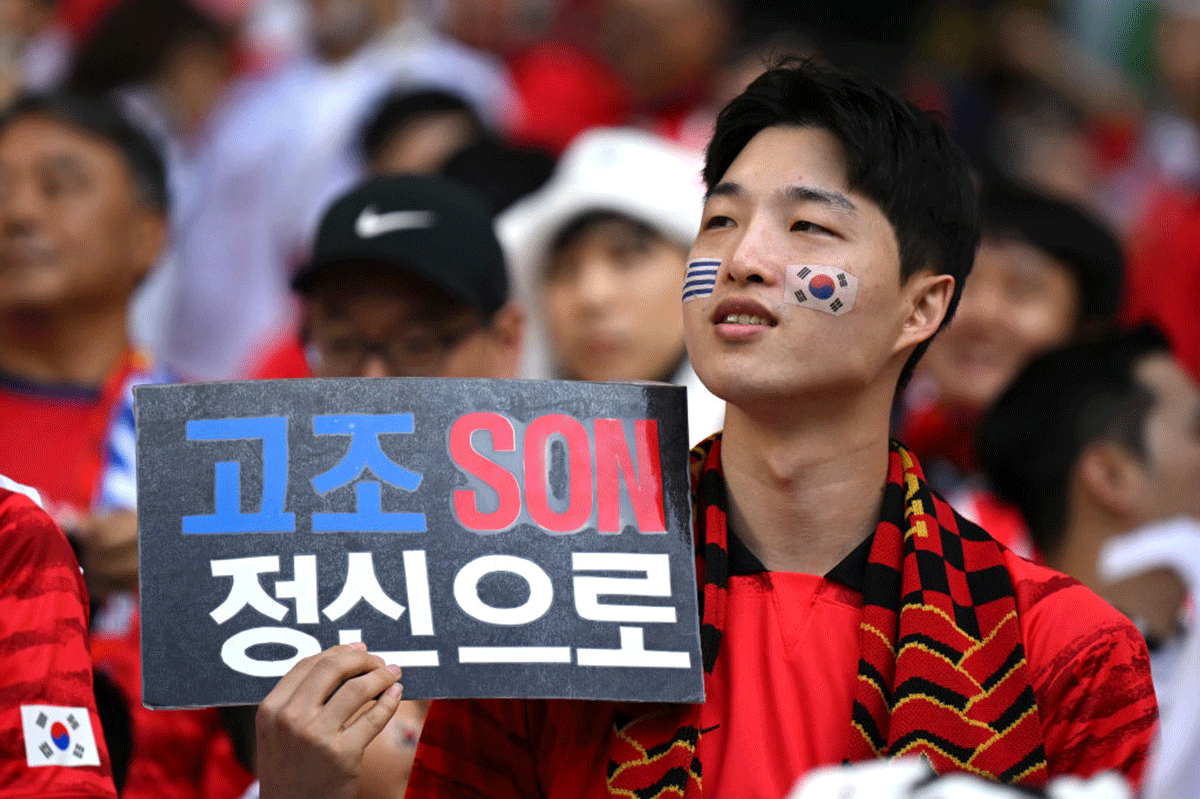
701	279
58	736
823	288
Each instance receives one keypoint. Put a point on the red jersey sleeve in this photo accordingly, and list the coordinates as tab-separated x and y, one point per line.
51	743
476	749
1091	673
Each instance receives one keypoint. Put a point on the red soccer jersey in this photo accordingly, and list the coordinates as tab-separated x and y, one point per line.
52	744
780	696
53	437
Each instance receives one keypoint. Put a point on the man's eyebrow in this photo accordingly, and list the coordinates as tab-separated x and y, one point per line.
725	188
808	194
63	162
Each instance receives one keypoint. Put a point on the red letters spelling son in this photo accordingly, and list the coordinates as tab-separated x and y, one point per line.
613	459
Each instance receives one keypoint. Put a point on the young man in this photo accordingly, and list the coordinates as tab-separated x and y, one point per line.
1096	441
407	279
1046	273
844	222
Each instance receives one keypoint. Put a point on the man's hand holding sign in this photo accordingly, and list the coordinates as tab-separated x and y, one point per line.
493	539
314	727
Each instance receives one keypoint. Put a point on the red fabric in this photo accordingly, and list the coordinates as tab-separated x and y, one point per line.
564	91
43	650
782	689
942	433
1164	273
1003	521
178	754
286	360
53	439
81	16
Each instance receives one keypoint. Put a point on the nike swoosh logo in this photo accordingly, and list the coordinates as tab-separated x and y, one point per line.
371	223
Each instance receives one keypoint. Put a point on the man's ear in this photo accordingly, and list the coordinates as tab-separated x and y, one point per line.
928	300
508	339
1110	477
147	240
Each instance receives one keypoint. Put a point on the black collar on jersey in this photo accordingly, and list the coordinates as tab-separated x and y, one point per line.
850	571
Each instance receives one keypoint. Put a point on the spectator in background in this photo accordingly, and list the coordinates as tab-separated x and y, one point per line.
52	743
602	249
432	131
1097	440
1046	273
406	279
418	131
82	220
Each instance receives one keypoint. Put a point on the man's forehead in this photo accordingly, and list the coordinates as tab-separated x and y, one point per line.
49	142
382	284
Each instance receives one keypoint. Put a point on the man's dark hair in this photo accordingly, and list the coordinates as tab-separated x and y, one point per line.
896	154
406	106
100	119
1033	435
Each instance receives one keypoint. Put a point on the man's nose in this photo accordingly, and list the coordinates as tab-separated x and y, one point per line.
597	285
374	365
747	262
21	206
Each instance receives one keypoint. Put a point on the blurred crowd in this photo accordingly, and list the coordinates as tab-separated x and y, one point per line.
197	222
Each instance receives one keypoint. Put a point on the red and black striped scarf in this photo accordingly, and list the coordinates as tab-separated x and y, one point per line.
942	669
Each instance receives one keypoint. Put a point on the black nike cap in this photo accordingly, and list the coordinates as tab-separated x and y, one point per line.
423	225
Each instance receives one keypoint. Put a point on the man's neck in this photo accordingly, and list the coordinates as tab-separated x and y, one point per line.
79	348
804	493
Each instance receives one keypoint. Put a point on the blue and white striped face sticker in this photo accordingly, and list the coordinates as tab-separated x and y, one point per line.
701	279
823	288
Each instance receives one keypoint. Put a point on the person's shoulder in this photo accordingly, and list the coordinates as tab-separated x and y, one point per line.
1050	598
31	543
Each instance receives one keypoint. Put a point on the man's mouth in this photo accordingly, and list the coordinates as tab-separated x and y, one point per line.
744	319
743	311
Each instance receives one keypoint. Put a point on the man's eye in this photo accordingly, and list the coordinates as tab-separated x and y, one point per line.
717	221
804	226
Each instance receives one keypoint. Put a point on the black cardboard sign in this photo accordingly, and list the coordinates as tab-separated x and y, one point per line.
495	538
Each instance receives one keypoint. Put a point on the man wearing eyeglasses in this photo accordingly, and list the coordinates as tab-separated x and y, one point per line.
407	280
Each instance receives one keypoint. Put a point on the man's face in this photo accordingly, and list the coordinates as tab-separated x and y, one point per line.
785	202
1018	302
1172	434
370	322
611	303
72	231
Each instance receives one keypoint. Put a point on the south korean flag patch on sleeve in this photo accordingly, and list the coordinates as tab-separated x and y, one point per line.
58	736
823	288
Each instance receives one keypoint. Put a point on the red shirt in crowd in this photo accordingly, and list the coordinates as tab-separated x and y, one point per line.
51	744
1163	283
53	437
780	696
178	754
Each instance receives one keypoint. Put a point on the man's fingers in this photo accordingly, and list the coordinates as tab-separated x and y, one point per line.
287	685
370	724
332	668
355	693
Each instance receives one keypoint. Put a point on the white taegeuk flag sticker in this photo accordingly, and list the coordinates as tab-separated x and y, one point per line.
58	736
822	288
